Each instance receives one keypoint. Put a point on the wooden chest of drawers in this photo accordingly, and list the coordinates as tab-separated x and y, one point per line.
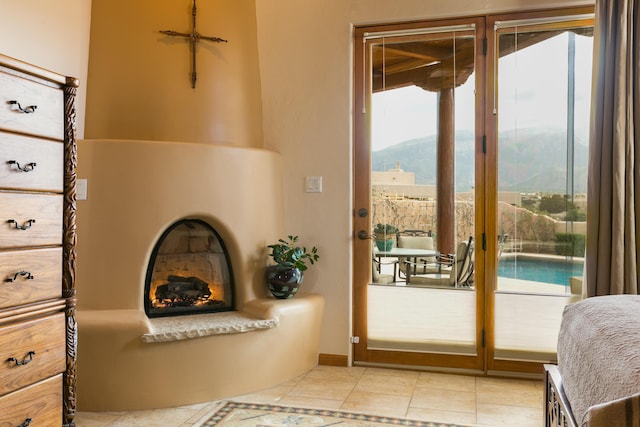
39	402
37	246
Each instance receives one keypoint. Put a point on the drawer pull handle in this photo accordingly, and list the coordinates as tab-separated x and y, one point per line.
26	168
19	273
25	423
26	225
27	109
24	361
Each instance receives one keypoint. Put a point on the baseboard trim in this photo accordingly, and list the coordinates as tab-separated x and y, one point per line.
333	360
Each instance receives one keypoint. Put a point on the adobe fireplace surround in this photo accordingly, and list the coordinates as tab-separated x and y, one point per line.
224	204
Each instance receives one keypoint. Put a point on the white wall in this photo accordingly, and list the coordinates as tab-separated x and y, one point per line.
306	70
52	35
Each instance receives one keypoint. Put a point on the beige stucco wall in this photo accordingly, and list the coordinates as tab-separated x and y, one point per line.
306	70
52	35
139	79
305	81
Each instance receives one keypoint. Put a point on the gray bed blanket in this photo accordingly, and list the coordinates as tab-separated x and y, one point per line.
599	354
623	412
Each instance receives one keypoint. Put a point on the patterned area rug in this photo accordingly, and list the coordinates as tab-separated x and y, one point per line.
233	414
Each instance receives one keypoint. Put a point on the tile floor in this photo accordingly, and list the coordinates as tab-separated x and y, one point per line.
466	400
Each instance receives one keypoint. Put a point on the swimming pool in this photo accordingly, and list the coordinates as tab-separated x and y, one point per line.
552	271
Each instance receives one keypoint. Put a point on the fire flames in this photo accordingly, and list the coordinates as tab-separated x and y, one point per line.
184	291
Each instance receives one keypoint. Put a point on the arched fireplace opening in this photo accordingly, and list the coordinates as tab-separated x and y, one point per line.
189	272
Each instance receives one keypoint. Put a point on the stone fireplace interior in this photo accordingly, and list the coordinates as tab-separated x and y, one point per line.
189	272
232	197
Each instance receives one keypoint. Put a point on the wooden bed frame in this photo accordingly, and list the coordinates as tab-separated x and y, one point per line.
557	410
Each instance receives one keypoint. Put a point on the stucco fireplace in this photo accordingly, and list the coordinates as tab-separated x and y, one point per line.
225	204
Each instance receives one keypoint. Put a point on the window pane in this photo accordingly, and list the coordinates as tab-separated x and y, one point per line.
423	164
543	101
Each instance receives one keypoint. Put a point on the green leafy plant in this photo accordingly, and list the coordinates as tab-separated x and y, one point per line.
388	230
570	244
287	254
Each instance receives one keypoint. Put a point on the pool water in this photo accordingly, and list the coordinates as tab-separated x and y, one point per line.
548	271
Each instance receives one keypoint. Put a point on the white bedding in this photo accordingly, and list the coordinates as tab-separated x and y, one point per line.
599	355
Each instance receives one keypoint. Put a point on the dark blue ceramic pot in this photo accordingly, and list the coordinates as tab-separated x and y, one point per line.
283	282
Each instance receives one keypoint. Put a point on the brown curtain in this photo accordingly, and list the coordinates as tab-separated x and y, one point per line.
613	233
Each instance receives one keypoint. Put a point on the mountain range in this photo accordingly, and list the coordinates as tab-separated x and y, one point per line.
531	160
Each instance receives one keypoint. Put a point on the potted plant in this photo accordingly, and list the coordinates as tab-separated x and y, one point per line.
286	275
385	236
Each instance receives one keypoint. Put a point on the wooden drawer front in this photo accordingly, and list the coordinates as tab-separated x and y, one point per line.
41	403
48	118
45	337
47	174
30	276
45	209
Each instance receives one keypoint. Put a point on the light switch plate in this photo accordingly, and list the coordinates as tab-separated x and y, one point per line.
313	184
81	189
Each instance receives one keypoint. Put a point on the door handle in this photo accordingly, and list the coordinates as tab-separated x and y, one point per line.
363	235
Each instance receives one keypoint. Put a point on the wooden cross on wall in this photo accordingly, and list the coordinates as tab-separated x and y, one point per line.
194	37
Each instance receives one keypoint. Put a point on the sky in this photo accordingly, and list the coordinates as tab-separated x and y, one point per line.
533	93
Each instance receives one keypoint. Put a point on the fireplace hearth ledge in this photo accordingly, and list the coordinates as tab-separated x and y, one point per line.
164	329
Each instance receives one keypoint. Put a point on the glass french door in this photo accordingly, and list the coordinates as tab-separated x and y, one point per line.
470	143
417	162
540	100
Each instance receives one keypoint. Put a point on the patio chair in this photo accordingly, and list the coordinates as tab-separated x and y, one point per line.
502	239
377	276
459	275
416	239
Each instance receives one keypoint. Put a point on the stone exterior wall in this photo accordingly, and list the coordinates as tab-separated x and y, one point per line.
411	214
532	232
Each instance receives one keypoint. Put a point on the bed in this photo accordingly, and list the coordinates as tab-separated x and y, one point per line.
597	380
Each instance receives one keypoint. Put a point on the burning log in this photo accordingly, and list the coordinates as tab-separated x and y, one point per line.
197	283
183	290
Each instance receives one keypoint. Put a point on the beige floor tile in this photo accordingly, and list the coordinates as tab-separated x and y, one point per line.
508	416
444	400
207	409
336	373
447	381
436	416
195	406
310	402
392	372
401	385
154	418
436	397
499	391
203	415
95	419
377	403
323	389
270	395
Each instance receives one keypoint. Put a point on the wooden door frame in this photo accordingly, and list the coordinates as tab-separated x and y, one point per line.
486	197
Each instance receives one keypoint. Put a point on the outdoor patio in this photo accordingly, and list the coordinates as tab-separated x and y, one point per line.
435	319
